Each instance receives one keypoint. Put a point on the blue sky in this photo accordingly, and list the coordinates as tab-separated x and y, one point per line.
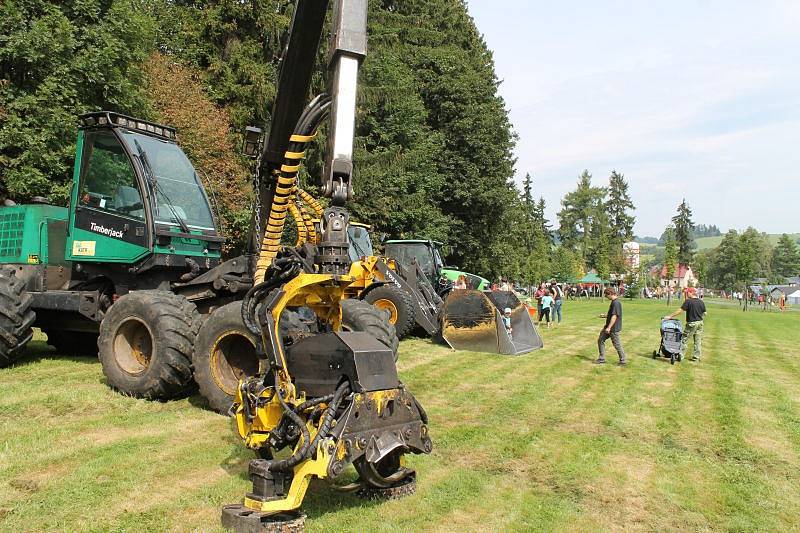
697	99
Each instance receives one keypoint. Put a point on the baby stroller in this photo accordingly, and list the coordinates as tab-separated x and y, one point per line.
671	333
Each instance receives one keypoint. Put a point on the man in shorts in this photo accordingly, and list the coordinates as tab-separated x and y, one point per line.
612	329
695	310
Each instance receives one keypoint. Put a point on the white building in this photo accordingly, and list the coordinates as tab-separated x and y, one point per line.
630	252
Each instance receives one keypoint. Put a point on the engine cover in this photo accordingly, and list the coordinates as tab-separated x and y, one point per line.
318	363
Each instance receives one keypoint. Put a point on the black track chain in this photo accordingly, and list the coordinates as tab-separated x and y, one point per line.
406	487
243	520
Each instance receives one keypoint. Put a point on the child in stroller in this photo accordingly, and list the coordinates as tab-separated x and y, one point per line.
670	346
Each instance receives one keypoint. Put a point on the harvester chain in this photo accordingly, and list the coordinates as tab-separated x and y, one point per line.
242	519
406	487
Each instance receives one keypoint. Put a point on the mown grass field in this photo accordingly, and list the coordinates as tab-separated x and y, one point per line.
546	441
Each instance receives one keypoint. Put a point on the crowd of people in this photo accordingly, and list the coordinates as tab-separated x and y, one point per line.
549	298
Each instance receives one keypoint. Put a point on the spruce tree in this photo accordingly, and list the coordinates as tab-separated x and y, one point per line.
785	258
684	238
620	208
527	194
578	209
543	222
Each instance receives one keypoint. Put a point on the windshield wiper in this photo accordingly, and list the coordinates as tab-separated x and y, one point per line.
358	248
151	177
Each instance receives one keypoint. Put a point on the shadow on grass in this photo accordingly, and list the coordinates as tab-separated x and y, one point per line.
37	351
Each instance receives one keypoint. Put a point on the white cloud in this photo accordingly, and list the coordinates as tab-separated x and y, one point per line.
692	100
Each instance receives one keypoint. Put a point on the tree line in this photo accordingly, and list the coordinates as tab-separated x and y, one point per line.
736	262
433	145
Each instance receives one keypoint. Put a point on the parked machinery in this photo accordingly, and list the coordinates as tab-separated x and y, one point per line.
332	397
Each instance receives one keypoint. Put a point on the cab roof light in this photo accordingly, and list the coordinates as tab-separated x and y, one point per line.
106	118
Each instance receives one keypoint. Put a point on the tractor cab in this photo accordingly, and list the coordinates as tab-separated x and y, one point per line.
424	252
135	193
427	254
360	241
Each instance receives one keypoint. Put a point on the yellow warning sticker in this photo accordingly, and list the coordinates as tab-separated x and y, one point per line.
84	248
33	259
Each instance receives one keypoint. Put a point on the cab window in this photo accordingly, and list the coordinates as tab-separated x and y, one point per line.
109	182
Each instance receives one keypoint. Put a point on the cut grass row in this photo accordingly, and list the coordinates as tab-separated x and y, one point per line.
542	441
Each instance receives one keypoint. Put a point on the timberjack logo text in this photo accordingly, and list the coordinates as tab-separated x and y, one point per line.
107	231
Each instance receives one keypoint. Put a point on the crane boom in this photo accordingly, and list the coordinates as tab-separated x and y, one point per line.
348	47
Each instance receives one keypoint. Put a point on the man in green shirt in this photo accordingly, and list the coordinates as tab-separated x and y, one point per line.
695	310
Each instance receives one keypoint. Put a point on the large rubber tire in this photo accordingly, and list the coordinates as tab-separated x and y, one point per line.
358	315
145	344
399	304
225	352
80	343
16	317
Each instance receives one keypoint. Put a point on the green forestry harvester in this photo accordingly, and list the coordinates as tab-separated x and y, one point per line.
133	258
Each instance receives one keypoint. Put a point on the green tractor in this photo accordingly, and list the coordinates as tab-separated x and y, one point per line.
427	254
134	259
471	318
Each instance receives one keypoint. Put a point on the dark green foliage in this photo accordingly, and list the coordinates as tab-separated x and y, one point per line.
619	208
700	266
785	258
565	266
722	273
579	211
57	60
703	230
670	252
748	256
456	81
684	238
739	259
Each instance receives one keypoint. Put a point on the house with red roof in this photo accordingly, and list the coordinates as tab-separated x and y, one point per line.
682	277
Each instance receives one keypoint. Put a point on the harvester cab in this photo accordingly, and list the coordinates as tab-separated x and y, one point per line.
471	319
134	194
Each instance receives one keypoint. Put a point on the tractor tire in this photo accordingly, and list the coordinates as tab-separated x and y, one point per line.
399	304
145	344
225	352
16	317
73	343
358	315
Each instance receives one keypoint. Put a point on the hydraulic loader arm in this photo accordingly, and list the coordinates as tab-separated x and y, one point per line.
348	47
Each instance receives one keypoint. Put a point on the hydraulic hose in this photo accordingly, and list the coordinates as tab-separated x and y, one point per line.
299	223
282	269
327	417
311	201
312	233
308	447
304	132
285	464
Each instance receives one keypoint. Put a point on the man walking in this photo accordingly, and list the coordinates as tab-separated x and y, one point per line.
612	329
695	310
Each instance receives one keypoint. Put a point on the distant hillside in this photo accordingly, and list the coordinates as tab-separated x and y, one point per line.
705	243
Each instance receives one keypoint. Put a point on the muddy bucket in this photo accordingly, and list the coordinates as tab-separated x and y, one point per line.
472	320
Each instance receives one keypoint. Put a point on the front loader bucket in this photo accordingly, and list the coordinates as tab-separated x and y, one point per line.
472	320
